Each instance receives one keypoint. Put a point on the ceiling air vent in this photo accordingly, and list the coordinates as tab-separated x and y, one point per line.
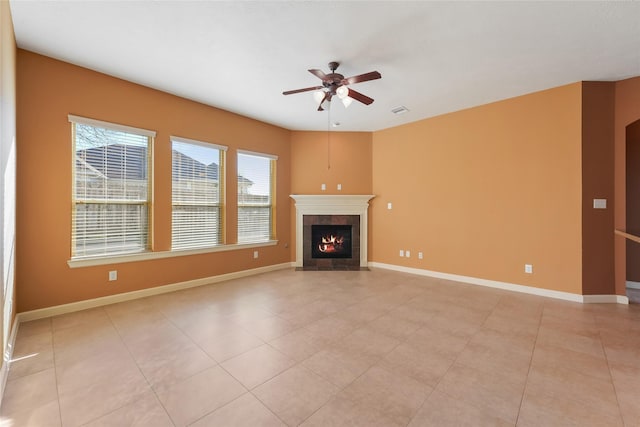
399	110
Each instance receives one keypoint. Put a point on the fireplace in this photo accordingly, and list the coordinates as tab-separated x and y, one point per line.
331	241
343	212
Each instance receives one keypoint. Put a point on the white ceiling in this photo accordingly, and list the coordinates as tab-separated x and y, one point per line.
434	57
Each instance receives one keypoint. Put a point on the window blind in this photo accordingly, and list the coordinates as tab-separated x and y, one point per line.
256	183
111	190
197	194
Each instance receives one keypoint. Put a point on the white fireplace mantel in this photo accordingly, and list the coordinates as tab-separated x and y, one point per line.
325	204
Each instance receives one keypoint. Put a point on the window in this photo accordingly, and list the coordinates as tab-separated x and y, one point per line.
197	194
256	190
111	188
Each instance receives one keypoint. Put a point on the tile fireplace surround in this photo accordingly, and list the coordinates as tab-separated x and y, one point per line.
307	204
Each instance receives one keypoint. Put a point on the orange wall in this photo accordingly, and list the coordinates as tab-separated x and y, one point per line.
483	191
336	158
49	90
598	108
480	192
627	112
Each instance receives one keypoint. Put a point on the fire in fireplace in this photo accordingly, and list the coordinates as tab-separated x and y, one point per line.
331	241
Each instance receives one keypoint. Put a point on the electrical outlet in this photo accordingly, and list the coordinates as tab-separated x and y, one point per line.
323	187
255	254
401	252
407	254
389	206
113	275
339	187
419	255
528	268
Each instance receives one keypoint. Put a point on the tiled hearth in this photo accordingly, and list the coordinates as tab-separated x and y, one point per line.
331	209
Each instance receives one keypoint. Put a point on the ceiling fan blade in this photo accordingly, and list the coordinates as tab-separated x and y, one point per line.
373	75
306	89
319	74
360	97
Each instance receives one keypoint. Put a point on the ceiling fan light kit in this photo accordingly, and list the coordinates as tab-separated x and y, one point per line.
336	84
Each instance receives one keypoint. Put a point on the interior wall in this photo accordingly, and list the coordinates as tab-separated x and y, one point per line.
484	191
50	90
7	170
598	109
336	158
627	111
632	174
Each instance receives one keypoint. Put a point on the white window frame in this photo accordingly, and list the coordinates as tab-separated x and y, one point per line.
150	135
272	197
186	244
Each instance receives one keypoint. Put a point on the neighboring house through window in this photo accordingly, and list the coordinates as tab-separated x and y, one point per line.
256	197
111	188
197	194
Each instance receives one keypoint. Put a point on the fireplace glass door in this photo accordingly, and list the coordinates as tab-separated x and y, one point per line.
331	241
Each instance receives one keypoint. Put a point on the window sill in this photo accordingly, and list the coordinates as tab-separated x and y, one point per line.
145	256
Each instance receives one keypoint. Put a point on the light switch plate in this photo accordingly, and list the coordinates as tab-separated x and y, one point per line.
599	203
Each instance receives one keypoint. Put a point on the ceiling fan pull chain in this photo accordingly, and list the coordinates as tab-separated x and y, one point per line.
329	136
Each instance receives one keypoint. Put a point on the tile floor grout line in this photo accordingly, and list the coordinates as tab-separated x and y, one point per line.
55	371
216	361
151	387
458	356
247	295
265	404
524	389
380	358
613	383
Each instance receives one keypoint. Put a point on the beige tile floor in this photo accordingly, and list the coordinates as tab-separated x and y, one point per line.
375	348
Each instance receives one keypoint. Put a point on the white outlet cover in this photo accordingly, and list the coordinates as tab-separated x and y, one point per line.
323	187
407	254
401	252
419	255
599	203
113	275
255	254
389	206
528	268
339	187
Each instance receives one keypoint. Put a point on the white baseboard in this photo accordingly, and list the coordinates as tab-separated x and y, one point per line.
127	296
620	299
7	356
597	299
567	296
633	285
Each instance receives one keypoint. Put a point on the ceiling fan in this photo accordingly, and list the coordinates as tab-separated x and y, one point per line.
336	84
